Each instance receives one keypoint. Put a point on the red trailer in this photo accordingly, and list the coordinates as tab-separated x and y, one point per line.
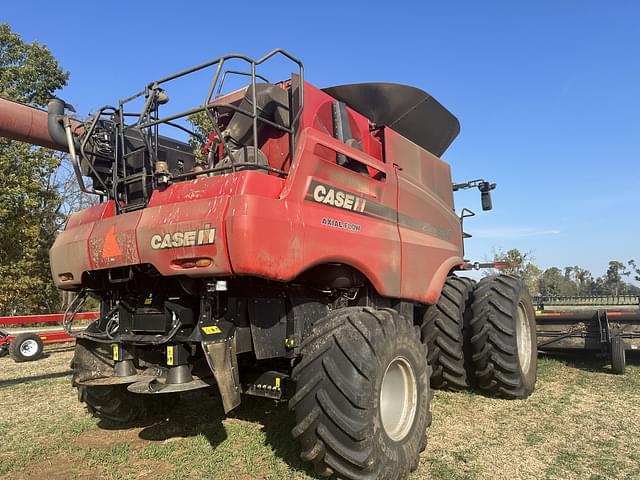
29	346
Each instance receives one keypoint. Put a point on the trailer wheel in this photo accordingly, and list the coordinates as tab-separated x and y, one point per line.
618	355
362	395
503	337
26	347
444	330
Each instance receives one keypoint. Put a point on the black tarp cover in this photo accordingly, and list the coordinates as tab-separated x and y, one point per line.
411	112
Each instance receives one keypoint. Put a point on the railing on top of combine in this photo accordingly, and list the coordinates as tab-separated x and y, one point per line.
127	161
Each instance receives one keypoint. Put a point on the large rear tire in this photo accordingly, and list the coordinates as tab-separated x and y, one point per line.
362	395
443	329
503	337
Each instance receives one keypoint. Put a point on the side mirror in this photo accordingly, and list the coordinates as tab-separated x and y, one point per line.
485	198
482	185
485	194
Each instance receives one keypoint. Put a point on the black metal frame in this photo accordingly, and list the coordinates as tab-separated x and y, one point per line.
149	120
587	317
587	300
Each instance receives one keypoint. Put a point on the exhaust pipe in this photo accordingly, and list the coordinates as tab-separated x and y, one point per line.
60	130
55	116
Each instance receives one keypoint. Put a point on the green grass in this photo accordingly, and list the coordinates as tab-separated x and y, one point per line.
581	423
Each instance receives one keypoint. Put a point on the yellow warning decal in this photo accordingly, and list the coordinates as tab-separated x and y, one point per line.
210	330
277	382
115	352
169	354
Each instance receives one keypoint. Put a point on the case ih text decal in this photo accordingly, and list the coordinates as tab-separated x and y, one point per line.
334	197
188	238
337	198
332	222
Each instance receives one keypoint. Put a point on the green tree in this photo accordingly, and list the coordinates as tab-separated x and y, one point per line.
31	207
554	282
583	280
613	282
635	270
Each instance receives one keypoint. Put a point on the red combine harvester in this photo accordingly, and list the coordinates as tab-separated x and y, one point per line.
306	252
29	346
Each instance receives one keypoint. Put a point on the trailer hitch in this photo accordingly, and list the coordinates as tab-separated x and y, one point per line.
482	265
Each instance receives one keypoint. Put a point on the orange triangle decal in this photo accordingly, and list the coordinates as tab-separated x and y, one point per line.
110	248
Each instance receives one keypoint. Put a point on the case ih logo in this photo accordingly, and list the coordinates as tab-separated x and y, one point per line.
337	198
334	197
189	238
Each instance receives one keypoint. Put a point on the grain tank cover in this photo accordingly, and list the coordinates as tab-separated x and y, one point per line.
409	111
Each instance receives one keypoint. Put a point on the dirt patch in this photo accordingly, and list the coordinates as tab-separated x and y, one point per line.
146	470
106	438
60	467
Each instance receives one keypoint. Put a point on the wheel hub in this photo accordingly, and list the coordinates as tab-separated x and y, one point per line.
523	339
29	348
398	399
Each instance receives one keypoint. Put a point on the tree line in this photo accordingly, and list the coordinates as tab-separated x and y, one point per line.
37	188
572	280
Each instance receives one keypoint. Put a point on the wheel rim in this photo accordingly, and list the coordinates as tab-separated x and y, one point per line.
523	338
398	398
29	348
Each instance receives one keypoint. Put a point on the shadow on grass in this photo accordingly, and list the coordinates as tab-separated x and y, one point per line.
36	378
200	412
589	360
276	421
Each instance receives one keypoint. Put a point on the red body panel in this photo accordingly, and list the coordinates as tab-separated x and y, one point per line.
395	225
430	231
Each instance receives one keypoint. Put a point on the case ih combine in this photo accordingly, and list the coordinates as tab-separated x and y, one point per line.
307	252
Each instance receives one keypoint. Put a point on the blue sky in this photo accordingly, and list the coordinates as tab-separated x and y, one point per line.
547	92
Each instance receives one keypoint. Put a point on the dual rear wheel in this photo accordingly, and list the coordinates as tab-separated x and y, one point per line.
483	336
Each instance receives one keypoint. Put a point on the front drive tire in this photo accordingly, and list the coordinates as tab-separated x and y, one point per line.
113	403
503	337
362	395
